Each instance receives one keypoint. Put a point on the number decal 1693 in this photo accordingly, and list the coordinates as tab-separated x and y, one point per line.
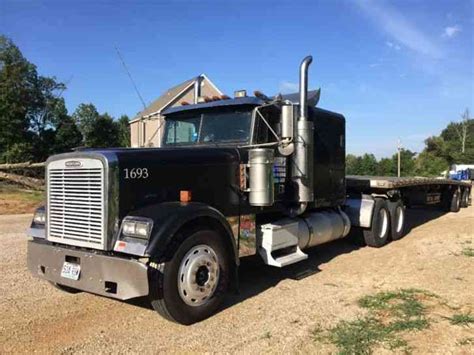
136	173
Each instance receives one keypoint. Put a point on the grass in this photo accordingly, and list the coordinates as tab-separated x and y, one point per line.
389	315
359	336
14	199
20	193
466	341
464	319
468	251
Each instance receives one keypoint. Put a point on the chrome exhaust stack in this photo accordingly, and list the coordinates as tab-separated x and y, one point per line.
302	160
304	87
197	89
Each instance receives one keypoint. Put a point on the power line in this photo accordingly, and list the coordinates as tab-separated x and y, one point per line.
130	76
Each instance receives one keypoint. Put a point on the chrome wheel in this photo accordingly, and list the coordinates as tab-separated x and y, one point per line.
383	218
198	275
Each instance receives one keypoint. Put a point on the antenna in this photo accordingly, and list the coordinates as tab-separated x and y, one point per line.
130	76
399	149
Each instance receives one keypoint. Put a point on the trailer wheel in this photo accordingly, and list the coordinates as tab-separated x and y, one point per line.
454	203
465	198
377	235
397	219
192	285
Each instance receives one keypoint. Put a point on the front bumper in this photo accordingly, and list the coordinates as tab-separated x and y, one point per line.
101	274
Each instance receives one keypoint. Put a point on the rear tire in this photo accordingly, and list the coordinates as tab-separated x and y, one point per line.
377	235
465	198
397	219
454	203
191	286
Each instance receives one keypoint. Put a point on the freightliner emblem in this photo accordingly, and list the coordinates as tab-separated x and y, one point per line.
73	164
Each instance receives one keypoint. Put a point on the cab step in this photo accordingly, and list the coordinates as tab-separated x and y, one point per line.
279	243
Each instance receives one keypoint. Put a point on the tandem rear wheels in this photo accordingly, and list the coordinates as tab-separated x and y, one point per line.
465	196
388	223
452	200
191	286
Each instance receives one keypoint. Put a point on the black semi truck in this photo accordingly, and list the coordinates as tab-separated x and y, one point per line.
233	177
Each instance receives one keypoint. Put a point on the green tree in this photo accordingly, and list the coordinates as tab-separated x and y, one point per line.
19	152
68	136
386	167
458	139
27	105
123	131
352	164
407	162
428	164
16	75
103	133
85	117
368	165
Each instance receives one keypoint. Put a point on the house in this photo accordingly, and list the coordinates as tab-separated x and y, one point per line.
146	129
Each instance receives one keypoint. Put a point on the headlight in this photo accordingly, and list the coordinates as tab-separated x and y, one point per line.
39	217
137	227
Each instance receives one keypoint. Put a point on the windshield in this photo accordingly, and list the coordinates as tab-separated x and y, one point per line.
210	127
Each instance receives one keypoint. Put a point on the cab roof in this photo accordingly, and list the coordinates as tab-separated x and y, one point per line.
253	101
313	99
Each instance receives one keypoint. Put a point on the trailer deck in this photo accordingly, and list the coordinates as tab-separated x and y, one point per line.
361	183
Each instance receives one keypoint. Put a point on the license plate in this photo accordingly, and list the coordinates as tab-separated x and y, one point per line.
71	271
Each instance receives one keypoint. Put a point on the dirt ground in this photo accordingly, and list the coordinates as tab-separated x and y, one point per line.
276	311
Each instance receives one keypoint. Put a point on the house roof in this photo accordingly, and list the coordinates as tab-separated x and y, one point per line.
169	96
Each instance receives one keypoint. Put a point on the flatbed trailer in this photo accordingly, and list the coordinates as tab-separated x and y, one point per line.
366	194
412	190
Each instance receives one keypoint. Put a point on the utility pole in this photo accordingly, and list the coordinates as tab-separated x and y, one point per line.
399	148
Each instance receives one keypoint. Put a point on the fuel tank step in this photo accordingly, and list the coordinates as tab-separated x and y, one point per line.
279	244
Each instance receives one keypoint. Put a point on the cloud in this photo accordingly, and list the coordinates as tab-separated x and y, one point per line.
393	45
287	87
397	25
451	31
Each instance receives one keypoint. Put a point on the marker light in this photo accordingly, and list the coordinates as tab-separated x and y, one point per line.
185	196
240	93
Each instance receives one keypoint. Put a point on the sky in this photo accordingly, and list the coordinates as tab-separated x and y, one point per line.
395	69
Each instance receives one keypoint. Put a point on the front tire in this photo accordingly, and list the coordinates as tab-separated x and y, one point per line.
191	286
377	235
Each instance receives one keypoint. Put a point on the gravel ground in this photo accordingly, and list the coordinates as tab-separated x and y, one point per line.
275	312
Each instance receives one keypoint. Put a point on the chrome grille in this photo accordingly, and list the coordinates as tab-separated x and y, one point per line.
76	202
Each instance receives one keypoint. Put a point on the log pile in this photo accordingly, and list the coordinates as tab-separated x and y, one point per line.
26	181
